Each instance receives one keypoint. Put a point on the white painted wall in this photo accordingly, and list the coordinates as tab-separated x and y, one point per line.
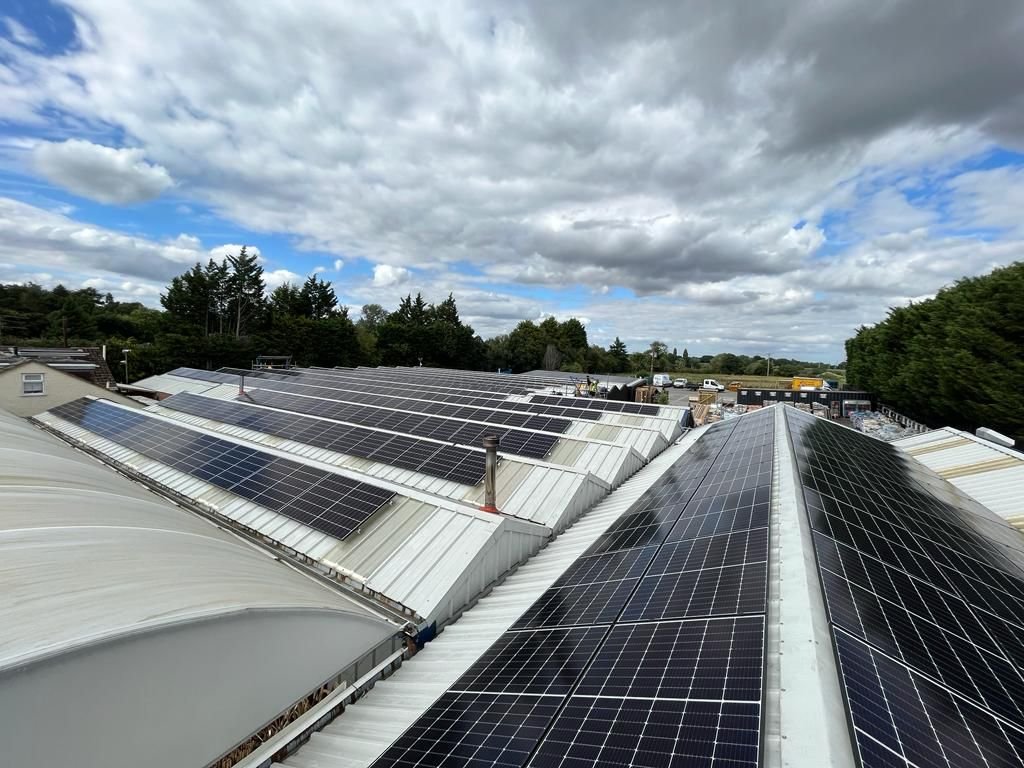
59	388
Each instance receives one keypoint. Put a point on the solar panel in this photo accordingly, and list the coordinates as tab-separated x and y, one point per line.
330	503
703	659
651	733
447	462
650	692
476	406
473	729
614	406
925	607
359	408
543	662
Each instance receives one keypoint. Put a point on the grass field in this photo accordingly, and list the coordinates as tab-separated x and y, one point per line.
767	382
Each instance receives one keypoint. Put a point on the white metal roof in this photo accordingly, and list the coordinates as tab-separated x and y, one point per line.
989	473
421	552
540	492
88	556
612	467
368	727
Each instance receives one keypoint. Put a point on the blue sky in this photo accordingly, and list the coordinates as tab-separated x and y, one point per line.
709	190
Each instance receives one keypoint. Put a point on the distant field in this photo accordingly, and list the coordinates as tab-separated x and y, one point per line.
754	381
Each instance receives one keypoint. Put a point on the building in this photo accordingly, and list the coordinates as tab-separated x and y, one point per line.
33	380
135	632
773	590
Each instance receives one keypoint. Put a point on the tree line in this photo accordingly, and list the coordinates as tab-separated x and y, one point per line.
955	360
220	314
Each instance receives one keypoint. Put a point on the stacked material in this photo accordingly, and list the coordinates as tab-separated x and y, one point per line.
878	425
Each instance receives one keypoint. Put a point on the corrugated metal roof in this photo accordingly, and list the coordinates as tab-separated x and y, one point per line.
368	727
989	473
400	553
611	468
87	556
531	490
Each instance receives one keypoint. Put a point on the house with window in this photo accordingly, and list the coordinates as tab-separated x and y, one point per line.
30	386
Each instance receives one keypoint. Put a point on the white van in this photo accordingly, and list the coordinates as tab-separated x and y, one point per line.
662	380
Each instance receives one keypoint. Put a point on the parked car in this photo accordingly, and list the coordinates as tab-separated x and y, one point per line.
662	380
712	384
680	383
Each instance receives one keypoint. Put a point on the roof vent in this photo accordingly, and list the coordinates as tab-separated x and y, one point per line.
994	437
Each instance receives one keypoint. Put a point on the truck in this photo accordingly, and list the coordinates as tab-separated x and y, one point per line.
662	380
807	383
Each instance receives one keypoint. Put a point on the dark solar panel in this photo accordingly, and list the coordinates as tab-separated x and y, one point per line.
704	659
448	462
630	692
322	500
629	733
546	661
925	605
359	408
611	406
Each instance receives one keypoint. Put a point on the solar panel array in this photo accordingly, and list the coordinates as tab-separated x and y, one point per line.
445	461
648	651
328	502
450	430
430	387
614	406
926	610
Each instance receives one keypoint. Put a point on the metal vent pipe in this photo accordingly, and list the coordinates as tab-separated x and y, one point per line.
490	473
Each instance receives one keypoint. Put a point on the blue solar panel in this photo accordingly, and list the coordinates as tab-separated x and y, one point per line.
608	663
327	502
925	605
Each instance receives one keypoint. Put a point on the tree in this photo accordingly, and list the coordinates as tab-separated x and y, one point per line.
245	289
686	359
373	316
216	274
526	347
956	360
317	298
619	355
187	298
287	301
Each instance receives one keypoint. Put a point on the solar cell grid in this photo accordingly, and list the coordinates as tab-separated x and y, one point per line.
473	729
651	692
615	406
415	396
545	661
514	441
651	734
924	609
490	409
329	503
704	659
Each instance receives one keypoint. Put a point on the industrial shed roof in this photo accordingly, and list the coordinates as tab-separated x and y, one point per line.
100	575
427	555
881	585
990	473
539	492
610	459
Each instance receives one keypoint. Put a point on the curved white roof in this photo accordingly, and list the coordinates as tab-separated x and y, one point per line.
87	556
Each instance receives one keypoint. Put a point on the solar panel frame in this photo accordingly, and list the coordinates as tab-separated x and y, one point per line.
330	503
918	600
398	450
634	722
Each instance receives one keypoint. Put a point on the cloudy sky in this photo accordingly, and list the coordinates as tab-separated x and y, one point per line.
749	177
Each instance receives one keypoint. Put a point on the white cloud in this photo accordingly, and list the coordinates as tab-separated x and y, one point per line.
338	264
386	275
101	173
319	270
278	277
668	150
20	34
221	252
